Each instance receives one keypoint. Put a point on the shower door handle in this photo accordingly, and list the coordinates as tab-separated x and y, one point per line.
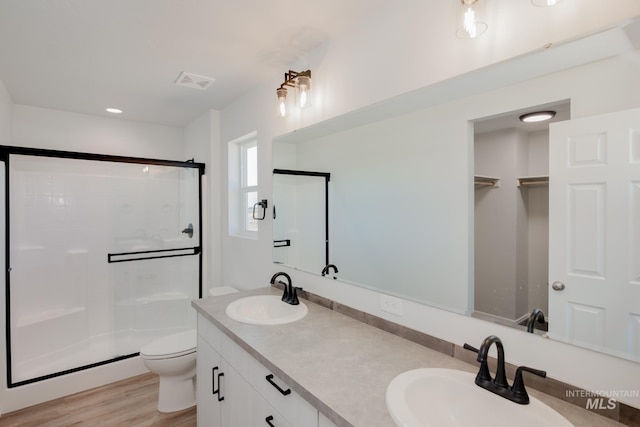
215	390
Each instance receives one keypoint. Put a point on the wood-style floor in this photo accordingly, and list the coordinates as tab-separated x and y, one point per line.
131	402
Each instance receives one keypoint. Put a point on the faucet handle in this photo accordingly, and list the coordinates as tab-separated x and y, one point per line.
518	390
468	347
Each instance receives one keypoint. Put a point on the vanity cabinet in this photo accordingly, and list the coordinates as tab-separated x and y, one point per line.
224	397
235	390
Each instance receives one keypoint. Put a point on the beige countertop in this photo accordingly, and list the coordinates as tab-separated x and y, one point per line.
343	366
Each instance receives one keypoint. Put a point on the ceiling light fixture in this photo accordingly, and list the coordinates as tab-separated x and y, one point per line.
114	110
301	81
468	17
538	116
545	3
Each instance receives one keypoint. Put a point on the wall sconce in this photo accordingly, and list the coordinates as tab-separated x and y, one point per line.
301	81
468	17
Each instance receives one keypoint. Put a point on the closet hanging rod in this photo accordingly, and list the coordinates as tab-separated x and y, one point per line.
533	180
488	181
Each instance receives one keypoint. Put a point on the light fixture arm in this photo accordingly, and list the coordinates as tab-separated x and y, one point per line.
291	76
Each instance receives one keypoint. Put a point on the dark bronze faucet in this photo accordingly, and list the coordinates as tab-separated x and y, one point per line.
326	268
536	316
290	294
499	385
483	379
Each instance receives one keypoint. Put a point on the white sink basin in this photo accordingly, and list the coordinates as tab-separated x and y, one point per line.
265	310
446	397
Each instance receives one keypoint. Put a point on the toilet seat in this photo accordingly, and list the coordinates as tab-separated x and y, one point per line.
171	346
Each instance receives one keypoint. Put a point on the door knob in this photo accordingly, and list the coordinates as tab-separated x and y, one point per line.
557	286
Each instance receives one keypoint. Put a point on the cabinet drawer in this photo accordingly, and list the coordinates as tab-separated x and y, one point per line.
276	392
265	416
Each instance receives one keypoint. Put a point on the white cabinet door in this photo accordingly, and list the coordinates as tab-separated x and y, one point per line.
224	397
594	232
207	371
237	406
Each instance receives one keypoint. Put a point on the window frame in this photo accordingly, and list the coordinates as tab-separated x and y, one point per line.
240	214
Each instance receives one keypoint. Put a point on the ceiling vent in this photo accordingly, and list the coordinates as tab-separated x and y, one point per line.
194	81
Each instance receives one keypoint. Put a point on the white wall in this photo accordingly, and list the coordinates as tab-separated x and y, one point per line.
538	224
380	58
60	130
6	112
202	143
496	222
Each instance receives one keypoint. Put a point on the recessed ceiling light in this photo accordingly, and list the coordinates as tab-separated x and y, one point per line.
538	116
114	110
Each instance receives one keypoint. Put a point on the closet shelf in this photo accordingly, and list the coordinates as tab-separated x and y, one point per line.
486	181
533	180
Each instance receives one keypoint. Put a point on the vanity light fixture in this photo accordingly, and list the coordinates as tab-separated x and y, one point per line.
301	81
469	19
538	116
545	3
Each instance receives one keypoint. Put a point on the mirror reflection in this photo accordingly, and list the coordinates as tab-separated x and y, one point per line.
300	219
403	200
511	217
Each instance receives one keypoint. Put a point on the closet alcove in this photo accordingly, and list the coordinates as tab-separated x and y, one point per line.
511	216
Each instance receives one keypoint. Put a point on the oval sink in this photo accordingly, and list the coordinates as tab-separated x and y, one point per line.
447	397
265	310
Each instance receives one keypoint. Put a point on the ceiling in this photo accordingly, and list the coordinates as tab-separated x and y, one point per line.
85	55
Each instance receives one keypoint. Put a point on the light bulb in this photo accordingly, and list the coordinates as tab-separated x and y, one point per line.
469	19
281	94
303	91
469	24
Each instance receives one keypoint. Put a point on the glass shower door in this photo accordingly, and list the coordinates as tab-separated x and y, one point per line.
104	256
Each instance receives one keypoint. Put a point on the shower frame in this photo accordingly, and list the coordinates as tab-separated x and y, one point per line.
5	153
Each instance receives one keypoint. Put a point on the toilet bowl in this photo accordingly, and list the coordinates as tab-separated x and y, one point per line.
173	359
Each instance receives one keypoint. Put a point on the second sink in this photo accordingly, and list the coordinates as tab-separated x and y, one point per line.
447	398
265	310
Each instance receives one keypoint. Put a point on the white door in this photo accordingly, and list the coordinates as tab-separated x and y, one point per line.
594	232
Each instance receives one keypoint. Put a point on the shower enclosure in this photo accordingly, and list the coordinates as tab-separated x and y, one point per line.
103	255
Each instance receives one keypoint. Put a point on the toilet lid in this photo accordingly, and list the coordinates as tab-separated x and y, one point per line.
171	346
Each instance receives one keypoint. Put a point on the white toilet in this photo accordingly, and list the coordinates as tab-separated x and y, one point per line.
173	358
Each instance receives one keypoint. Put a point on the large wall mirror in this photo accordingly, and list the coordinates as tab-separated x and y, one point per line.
404	213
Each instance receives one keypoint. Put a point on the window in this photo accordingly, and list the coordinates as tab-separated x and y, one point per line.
243	186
